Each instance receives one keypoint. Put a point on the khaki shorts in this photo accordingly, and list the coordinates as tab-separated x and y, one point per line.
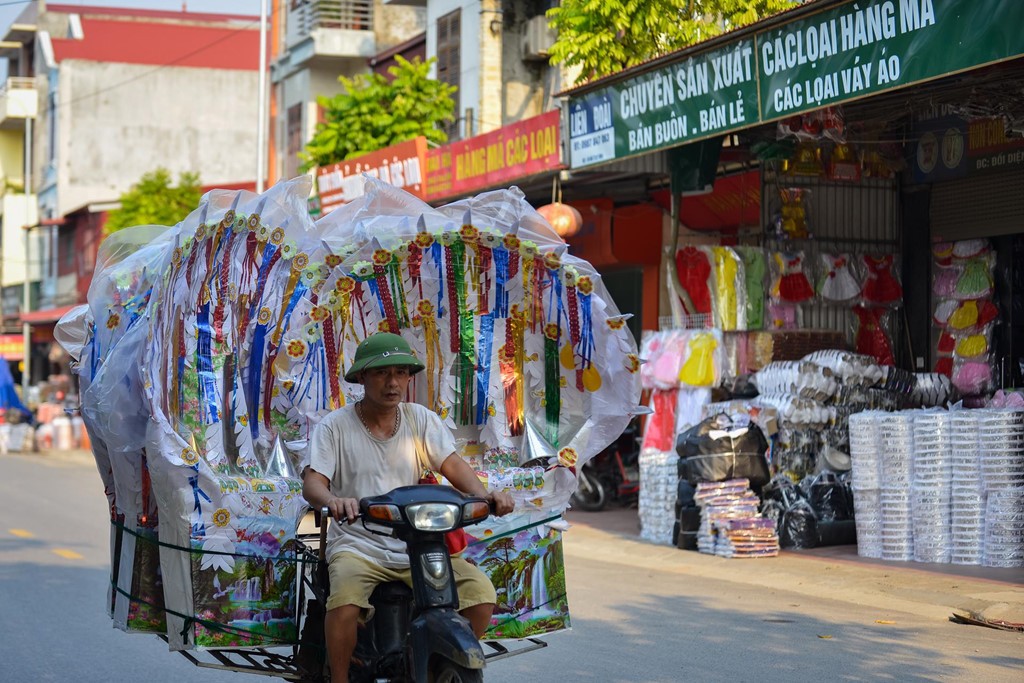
353	579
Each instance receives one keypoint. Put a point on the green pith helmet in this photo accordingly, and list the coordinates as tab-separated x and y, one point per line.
382	350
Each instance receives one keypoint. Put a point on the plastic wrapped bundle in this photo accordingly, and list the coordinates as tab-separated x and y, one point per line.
932	487
731	525
865	445
1002	448
867	511
659	484
851	368
802	378
897	525
897	440
931	389
967	498
897	450
1004	528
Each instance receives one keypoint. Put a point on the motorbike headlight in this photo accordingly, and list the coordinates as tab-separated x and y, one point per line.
433	516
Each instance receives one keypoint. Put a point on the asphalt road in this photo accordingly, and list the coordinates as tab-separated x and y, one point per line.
631	622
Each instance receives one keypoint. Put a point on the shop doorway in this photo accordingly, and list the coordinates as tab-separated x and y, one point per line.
626	287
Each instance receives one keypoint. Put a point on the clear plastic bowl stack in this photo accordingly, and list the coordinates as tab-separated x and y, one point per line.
1002	475
967	517
659	488
1004	528
865	443
1002	448
932	491
897	458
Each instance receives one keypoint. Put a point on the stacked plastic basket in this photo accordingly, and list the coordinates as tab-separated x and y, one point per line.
967	517
1002	476
897	469
865	443
932	490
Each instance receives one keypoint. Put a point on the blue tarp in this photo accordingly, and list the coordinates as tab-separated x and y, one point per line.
8	396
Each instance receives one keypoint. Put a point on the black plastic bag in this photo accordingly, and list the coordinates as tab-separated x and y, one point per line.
798	527
717	449
830	498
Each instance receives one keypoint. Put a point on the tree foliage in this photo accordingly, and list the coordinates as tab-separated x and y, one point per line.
372	113
154	201
603	37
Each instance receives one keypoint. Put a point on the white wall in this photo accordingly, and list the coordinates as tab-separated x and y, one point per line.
17	212
118	121
469	67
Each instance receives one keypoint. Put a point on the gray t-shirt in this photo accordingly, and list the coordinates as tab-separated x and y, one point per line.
359	464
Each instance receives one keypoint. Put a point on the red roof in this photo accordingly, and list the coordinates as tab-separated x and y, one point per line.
162	43
48	315
84	10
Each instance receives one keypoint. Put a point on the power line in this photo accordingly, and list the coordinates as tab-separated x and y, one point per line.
159	67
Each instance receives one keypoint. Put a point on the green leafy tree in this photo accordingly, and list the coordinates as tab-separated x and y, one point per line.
373	113
603	37
155	201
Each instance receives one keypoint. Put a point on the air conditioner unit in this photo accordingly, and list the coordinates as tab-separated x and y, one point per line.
537	39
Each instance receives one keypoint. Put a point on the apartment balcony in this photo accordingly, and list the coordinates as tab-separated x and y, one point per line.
18	101
330	29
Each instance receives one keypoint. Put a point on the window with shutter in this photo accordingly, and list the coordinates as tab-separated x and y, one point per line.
449	28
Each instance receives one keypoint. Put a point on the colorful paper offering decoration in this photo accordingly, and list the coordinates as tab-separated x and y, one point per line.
246	317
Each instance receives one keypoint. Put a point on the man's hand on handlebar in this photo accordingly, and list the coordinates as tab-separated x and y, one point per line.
502	503
344	509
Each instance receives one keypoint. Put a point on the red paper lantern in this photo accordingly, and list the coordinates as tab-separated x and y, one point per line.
565	219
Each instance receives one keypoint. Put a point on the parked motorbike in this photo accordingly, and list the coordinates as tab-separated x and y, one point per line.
611	475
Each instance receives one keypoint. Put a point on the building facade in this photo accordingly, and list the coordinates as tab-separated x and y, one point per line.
117	93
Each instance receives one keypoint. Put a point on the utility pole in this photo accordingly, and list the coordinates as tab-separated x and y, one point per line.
26	300
261	125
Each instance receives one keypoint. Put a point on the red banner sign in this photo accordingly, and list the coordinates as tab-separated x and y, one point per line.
515	151
401	165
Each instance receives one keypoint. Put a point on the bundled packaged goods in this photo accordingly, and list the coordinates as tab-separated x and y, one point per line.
731	525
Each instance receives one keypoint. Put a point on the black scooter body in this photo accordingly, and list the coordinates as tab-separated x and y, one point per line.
412	628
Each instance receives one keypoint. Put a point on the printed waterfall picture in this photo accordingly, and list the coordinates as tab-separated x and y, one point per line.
528	573
248	598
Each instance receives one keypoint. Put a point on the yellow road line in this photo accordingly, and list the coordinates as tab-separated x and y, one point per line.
20	533
67	554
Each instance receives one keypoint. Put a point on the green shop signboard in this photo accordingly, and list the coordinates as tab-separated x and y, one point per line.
862	48
828	57
705	95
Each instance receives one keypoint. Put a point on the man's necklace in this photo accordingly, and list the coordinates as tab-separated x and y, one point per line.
359	412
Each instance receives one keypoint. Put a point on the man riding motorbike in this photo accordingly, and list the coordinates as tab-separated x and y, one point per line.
369	448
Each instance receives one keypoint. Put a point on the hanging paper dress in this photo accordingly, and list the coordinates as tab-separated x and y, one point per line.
727	288
791	283
976	280
837	284
881	287
872	339
969	314
755	268
694	268
699	368
944	282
